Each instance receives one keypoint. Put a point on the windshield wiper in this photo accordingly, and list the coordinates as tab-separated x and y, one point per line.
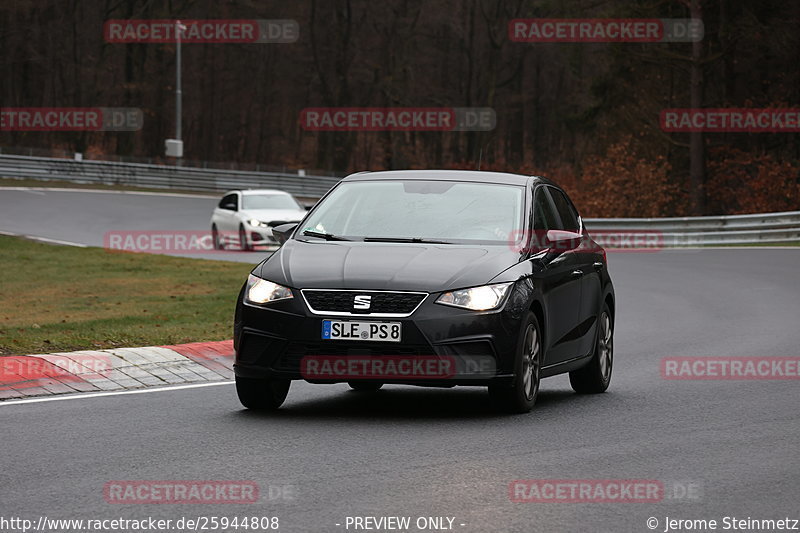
404	239
321	235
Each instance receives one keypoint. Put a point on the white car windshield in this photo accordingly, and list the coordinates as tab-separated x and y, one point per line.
450	211
268	201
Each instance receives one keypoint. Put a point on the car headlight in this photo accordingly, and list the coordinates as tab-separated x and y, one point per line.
476	298
261	291
257	223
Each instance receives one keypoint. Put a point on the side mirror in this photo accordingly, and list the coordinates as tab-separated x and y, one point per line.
282	232
308	205
560	241
231	206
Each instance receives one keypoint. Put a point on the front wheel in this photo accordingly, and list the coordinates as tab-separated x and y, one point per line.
244	244
596	375
262	394
520	397
216	239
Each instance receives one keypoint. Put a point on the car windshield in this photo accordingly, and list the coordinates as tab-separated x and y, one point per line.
449	211
268	201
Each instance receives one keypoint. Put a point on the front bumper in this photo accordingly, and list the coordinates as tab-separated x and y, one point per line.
272	341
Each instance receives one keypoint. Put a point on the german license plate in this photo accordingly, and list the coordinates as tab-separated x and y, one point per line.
361	331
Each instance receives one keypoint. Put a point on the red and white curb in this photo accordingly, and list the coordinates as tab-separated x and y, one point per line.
23	376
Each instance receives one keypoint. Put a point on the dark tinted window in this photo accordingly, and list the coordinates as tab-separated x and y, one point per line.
543	216
228	199
569	218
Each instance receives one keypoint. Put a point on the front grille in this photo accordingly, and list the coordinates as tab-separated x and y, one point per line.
384	303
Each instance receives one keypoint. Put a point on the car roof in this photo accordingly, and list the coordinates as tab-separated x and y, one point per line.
256	191
505	178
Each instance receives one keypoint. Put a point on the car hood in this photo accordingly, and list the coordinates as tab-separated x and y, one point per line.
385	266
269	215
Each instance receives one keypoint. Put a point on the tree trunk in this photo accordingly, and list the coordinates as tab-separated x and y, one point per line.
696	149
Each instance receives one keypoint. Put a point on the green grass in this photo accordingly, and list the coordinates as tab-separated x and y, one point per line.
59	298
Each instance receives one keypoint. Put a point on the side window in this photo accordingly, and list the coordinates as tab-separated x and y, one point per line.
543	216
569	218
228	199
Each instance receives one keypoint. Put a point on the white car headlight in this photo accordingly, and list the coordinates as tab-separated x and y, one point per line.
476	298
261	291
257	223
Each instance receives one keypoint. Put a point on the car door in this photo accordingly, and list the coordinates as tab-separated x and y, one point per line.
561	286
589	262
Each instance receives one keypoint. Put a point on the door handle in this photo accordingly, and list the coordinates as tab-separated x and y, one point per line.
598	265
577	273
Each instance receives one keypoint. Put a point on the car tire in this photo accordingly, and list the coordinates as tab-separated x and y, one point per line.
244	244
521	395
365	386
596	375
262	394
215	238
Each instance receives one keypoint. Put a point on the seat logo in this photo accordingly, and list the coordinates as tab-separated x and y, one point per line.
362	301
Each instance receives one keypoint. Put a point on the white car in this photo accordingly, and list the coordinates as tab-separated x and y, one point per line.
248	216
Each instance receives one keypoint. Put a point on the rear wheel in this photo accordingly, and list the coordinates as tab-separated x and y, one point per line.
262	394
365	386
596	375
243	242
520	397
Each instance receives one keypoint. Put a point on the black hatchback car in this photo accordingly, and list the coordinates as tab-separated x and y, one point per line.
436	278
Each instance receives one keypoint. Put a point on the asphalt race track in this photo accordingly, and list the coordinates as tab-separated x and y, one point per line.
407	451
84	217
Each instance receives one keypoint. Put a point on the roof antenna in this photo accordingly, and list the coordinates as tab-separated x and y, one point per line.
480	157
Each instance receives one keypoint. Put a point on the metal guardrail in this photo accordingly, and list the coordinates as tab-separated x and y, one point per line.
160	176
670	232
247	166
613	232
